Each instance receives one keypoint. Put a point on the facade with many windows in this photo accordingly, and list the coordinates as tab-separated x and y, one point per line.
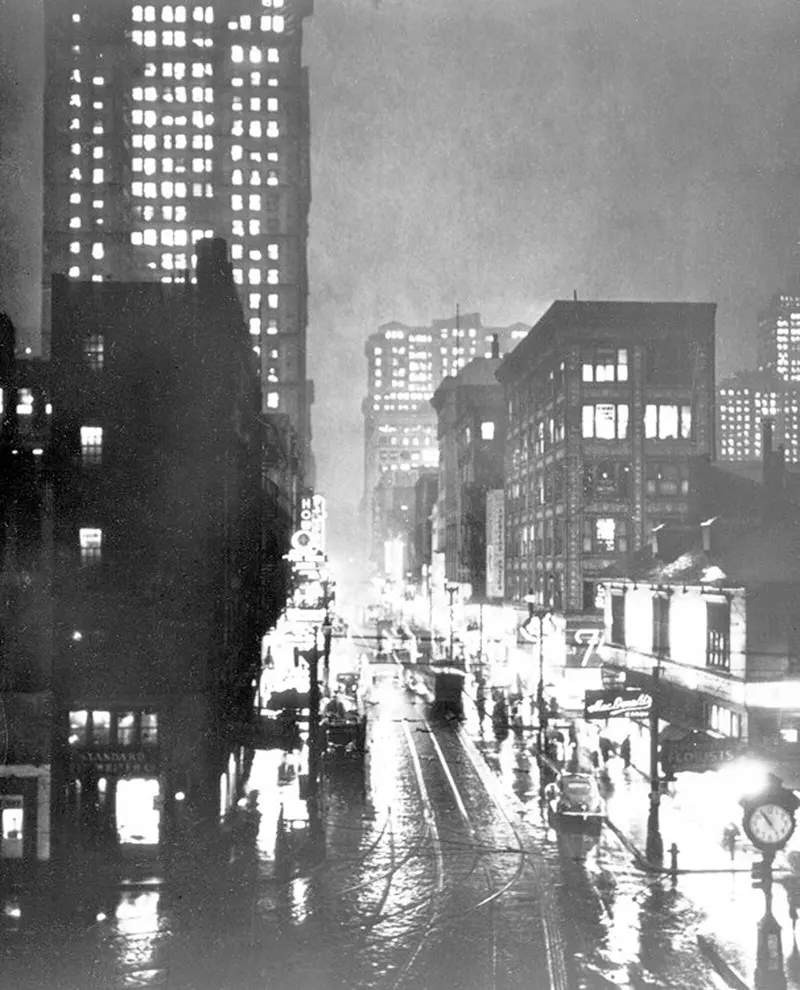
743	401
141	556
607	402
779	335
704	618
166	123
405	366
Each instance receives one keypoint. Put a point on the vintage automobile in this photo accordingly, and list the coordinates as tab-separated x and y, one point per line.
575	797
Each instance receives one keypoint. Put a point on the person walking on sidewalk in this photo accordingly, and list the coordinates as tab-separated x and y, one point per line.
729	836
625	751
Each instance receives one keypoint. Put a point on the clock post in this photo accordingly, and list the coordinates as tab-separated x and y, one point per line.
769	821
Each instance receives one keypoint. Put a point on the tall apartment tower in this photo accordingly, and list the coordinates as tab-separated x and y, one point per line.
405	366
169	122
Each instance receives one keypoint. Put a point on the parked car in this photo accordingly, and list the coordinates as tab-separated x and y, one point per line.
575	796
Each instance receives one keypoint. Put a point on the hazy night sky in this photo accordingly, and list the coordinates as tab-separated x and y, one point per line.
500	155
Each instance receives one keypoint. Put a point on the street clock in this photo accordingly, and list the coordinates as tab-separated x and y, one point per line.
768	819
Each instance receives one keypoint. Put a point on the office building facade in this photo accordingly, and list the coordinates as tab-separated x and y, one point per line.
169	122
405	366
607	403
743	401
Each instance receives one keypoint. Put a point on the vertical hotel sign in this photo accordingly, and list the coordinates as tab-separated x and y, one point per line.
495	544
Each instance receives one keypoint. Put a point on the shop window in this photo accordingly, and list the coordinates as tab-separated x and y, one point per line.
11	826
137	811
149	728
101	728
618	620
605	421
718	632
661	626
126	728
605	364
78	728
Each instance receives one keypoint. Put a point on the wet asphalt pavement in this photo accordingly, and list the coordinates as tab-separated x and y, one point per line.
439	870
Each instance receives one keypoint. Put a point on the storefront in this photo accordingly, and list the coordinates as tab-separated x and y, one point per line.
115	791
24	816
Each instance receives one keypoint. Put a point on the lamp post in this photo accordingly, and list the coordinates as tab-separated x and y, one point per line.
654	846
452	590
540	614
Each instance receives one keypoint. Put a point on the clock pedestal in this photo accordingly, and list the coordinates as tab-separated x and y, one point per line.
769	974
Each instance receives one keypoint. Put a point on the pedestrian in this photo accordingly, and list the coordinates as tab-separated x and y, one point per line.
625	751
480	705
729	836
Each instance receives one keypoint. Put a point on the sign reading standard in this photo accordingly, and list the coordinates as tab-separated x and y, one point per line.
616	701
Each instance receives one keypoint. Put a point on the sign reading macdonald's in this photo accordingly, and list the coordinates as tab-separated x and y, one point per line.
615	702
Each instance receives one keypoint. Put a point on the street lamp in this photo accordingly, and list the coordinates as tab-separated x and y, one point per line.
541	614
654	846
452	590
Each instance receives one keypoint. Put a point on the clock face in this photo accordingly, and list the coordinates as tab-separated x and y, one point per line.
769	825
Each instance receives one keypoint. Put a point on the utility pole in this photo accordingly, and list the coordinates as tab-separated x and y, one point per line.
452	591
655	844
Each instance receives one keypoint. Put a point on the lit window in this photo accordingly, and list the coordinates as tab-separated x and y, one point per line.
255	129
272	276
75	247
97	176
254	276
272	300
237	53
254	300
255	325
254	227
487	430
237	203
75	223
92	444
91	544
605	421
74	272
255	201
255	54
97	251
272	400
272	55
93	350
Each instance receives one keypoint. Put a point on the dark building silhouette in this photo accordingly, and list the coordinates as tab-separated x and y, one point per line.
154	561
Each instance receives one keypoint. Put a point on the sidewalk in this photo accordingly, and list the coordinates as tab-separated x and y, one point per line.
716	886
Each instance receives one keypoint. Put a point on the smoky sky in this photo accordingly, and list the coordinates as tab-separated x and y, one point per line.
500	155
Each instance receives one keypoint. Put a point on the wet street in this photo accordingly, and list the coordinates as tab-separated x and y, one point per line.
438	870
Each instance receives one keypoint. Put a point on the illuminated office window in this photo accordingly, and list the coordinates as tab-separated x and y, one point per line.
91	444
91	544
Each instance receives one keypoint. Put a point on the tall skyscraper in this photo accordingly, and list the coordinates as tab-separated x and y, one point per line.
168	122
404	368
742	403
779	335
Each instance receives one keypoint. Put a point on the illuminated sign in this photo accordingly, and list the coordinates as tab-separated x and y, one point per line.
495	544
615	702
698	752
120	762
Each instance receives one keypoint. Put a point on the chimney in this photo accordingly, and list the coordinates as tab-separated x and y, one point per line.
656	539
705	530
772	463
495	345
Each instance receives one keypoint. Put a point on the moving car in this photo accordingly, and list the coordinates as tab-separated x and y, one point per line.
576	796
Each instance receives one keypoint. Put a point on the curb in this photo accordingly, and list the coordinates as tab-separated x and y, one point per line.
709	949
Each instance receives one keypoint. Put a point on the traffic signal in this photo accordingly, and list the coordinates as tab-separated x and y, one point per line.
761	872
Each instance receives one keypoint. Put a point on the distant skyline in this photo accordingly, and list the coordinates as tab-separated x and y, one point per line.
500	156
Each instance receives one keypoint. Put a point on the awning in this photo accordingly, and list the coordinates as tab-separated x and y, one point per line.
672	733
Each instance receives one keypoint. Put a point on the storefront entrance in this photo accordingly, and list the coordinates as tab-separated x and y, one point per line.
138	814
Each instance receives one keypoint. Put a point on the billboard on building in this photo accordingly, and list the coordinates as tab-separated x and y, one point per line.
495	544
